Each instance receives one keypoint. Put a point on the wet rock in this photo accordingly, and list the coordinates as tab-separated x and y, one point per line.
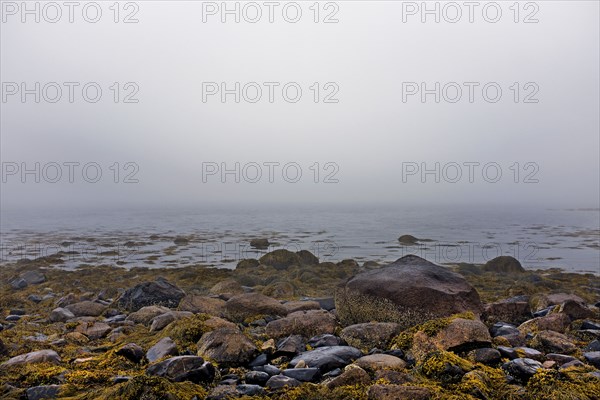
34	298
370	334
262	359
327	358
553	342
507	310
159	292
247	305
556	322
146	314
202	304
160	322
33	277
86	309
527	352
508	352
570	364
503	329
181	241
34	357
560	359
281	259
305	323
324	340
281	381
576	310
18	283
257	377
164	347
93	330
261	244
184	368
585	325
12	318
304	305
291	345
326	303
593	346
303	374
132	352
522	368
593	358
269	369
504	265
250	390
486	356
307	258
376	362
228	286
43	392
397	392
228	347
408	240
409	291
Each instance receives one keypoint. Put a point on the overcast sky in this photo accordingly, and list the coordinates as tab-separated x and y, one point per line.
370	60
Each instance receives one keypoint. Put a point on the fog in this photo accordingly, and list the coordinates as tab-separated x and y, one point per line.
370	134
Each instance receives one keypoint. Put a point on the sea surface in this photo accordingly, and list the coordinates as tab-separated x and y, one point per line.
220	235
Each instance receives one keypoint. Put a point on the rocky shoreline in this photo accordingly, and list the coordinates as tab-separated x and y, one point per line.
287	326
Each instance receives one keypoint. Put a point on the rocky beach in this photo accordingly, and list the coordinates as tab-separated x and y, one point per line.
288	326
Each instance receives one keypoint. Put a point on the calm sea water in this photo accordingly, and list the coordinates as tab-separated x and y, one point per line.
539	238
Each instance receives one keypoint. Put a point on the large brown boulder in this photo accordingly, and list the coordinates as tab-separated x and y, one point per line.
249	305
306	323
409	291
227	347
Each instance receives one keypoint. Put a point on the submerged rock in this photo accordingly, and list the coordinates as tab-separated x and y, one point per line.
409	291
504	265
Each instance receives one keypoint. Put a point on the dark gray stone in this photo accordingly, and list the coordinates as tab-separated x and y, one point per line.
303	374
281	381
522	368
328	358
43	392
184	368
159	292
324	340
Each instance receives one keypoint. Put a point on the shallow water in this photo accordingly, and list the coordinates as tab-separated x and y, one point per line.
539	238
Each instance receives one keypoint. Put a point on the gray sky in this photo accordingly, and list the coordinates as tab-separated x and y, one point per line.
368	134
